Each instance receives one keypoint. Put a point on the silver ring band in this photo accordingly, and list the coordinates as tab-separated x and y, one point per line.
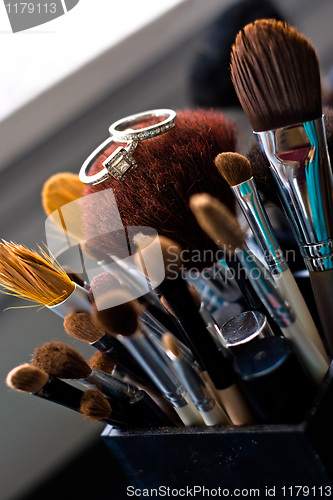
122	130
117	164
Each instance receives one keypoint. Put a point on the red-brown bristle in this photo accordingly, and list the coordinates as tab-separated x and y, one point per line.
171	167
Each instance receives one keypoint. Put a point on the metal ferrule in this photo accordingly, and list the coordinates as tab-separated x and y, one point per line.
193	385
300	164
265	288
153	364
77	301
111	386
249	201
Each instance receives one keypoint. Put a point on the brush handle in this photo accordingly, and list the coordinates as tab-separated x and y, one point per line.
249	292
288	287
211	359
322	286
314	363
111	386
235	405
198	391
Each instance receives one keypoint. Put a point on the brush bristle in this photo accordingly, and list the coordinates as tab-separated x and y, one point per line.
217	221
101	362
81	326
60	189
94	405
233	167
32	276
170	344
171	167
27	378
61	360
121	318
275	72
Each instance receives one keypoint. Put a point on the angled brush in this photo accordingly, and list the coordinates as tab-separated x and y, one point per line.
276	75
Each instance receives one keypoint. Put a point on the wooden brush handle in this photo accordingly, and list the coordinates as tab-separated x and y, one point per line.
322	285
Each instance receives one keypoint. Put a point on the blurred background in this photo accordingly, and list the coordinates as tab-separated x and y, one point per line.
61	85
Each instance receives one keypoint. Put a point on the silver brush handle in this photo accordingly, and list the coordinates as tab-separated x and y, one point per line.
322	285
249	201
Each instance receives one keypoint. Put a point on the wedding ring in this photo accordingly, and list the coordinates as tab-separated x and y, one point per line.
117	164
124	129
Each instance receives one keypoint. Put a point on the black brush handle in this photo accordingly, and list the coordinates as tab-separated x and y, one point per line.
273	381
213	360
62	393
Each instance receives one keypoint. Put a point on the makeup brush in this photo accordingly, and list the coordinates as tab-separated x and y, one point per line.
122	320
171	167
237	171
80	326
37	278
195	386
129	404
29	378
276	75
216	362
223	228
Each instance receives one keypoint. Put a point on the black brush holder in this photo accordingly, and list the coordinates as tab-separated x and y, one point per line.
270	458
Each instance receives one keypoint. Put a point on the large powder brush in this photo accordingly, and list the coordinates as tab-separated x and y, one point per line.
171	168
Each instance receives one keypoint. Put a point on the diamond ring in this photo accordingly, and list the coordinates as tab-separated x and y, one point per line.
125	129
117	164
